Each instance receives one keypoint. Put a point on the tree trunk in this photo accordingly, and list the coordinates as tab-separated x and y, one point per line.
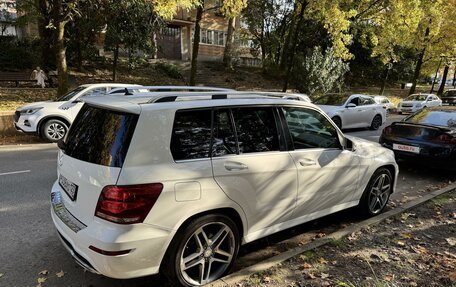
419	63
292	50
454	78
385	78
196	40
62	68
286	46
45	36
227	54
114	64
442	84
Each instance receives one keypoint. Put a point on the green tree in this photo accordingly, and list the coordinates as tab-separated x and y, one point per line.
318	73
131	28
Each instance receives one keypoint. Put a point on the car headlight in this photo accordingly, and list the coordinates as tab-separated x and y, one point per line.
30	111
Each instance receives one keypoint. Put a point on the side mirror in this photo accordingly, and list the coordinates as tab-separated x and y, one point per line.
348	144
351	105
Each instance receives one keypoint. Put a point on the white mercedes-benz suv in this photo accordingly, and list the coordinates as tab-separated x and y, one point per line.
175	182
51	119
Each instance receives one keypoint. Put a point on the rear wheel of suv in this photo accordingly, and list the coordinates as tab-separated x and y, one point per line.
377	193
203	251
53	130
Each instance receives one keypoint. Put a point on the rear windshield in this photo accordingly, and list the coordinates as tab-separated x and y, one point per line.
437	118
451	93
100	136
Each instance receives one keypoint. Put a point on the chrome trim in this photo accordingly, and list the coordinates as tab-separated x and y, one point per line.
63	214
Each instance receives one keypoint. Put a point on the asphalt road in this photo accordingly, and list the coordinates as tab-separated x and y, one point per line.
29	244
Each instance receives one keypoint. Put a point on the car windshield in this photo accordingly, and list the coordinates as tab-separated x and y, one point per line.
416	98
434	117
70	94
451	93
332	99
100	136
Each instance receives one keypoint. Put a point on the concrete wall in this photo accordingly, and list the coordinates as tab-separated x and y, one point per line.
6	124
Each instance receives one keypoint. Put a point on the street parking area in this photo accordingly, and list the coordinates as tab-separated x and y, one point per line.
32	254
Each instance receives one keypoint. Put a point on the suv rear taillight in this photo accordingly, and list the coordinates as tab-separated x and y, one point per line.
127	204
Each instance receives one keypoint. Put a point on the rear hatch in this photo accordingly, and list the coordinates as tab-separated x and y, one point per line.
92	156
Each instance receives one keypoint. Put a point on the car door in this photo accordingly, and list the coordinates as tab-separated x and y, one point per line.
369	109
351	115
327	174
252	167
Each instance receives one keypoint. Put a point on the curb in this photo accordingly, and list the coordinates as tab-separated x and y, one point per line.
37	146
236	277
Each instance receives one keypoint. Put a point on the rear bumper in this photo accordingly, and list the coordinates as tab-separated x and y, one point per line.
147	243
434	155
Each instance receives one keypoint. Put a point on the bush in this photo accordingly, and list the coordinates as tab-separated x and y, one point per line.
18	55
318	73
170	70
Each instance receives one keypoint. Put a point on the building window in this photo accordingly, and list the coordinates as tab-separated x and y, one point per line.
211	37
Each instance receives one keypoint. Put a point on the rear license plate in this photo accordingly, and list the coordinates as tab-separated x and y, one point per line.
406	148
70	188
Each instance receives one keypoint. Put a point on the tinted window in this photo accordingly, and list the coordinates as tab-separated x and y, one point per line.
310	129
367	101
332	99
256	130
416	98
434	117
70	94
224	140
451	93
191	136
355	101
100	136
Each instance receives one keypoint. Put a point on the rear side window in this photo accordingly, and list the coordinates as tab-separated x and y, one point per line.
256	129
310	129
100	136
191	138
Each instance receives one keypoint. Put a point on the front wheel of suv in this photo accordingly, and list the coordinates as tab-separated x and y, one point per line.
203	251
377	193
53	130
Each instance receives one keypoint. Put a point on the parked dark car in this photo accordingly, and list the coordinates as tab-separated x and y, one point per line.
428	135
449	97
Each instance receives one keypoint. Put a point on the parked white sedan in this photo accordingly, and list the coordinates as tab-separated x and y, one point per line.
352	110
417	102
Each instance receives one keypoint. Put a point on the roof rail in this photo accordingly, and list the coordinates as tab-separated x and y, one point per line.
215	95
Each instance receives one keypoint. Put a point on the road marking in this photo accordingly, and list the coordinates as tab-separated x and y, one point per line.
15	172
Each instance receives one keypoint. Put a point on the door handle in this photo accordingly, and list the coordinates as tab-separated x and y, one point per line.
307	162
234	165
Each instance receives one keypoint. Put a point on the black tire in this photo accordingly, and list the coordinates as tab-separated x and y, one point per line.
337	121
185	239
53	130
400	113
376	122
375	193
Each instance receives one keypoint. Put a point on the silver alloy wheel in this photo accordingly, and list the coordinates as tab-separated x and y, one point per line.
207	254
55	131
379	193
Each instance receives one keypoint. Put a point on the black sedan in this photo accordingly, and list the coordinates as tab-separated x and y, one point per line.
428	135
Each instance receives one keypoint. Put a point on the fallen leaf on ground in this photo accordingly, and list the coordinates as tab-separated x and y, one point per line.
407	235
413	284
267	279
60	274
1	275
451	241
388	278
312	276
307	265
452	276
322	261
44	272
324	275
400	243
41	280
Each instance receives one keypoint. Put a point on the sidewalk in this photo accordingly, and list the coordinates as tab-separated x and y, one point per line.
414	248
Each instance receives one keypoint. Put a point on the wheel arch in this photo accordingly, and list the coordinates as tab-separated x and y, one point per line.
52	117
